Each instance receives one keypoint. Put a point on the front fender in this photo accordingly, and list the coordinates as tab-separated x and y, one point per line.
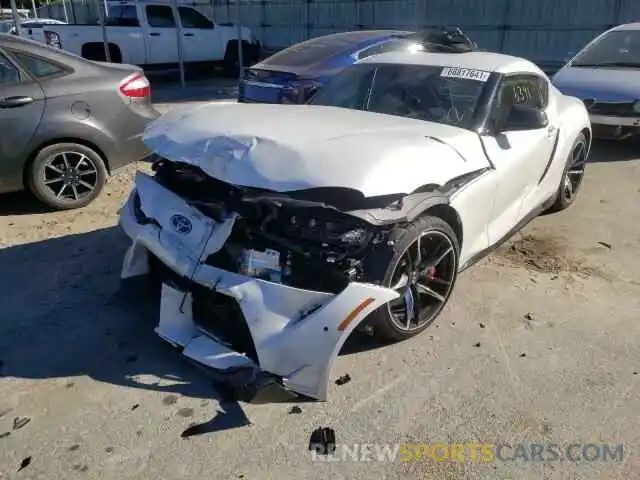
574	118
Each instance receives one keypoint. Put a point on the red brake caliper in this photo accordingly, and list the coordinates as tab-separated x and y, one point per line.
430	273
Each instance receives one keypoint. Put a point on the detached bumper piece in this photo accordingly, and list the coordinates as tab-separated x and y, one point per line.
261	338
219	341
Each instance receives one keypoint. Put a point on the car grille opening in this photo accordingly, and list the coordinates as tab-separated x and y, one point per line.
216	315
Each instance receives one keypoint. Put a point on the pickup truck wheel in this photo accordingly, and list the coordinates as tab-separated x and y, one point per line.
231	62
95	51
423	270
65	176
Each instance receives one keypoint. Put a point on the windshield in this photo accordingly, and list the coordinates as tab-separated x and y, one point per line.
620	48
431	93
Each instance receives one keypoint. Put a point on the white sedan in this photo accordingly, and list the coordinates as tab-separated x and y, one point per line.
276	230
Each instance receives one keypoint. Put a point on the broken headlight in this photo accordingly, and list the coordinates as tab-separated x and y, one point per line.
354	237
336	231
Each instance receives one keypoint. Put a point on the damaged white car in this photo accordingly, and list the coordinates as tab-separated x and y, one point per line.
276	230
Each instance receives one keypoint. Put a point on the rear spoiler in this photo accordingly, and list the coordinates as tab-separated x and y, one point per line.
444	40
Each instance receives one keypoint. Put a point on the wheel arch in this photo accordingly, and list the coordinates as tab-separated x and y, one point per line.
438	204
586	131
450	215
47	143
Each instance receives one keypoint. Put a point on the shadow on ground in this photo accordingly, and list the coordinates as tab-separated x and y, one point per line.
607	151
64	315
20	203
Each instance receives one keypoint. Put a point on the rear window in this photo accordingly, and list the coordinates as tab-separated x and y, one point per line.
122	16
314	50
9	75
36	66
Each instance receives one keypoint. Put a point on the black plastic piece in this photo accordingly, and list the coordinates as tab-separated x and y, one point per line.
446	40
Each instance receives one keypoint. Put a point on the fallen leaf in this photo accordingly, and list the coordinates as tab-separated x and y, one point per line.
170	399
323	441
26	461
20	422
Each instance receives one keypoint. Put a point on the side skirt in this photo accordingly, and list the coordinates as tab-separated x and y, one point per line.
519	226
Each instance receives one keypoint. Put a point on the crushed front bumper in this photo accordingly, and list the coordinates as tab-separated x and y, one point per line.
296	333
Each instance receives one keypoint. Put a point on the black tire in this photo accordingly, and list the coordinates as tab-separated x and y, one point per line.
76	165
562	199
231	63
385	327
95	52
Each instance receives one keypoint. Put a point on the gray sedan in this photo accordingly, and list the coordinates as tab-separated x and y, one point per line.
67	123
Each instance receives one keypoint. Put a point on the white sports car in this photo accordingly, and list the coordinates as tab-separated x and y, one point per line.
276	230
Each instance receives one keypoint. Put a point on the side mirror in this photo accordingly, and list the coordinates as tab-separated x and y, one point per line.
524	117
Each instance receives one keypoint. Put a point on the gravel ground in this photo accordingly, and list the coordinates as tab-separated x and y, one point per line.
539	344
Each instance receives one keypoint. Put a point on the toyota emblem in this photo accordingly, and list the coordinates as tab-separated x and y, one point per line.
181	224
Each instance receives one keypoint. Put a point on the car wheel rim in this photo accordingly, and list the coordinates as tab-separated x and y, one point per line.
424	278
70	176
575	173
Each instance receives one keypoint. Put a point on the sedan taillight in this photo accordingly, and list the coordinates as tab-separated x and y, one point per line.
135	86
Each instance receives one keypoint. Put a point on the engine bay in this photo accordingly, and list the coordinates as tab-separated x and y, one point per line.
300	239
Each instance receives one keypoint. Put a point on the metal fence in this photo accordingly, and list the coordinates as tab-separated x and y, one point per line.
544	31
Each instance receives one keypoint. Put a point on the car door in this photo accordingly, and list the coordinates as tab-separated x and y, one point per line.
519	152
22	104
162	31
200	41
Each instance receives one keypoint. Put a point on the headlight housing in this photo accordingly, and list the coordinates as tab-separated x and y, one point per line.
354	237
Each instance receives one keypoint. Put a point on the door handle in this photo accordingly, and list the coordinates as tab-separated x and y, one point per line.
188	34
154	34
14	102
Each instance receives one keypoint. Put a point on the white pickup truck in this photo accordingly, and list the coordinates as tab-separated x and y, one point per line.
144	33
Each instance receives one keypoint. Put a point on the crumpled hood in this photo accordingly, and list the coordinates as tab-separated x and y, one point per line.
295	147
602	84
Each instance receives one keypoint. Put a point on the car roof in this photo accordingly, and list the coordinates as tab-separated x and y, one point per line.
627	26
487	61
313	54
38	48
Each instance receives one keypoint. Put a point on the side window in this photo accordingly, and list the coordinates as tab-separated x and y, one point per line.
527	90
36	66
9	75
160	16
122	16
520	90
191	18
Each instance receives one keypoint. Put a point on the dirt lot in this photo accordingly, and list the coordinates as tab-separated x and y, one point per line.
539	344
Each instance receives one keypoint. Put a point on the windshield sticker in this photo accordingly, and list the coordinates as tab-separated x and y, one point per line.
466	73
